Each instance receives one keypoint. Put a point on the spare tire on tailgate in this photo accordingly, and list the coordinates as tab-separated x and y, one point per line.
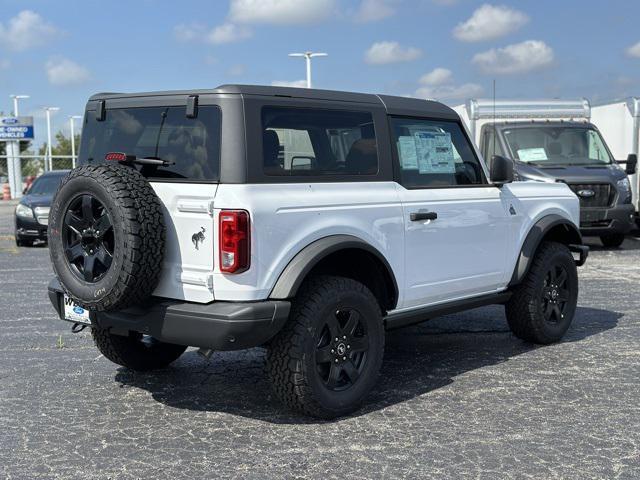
106	236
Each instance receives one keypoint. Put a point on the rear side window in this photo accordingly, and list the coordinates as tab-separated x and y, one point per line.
305	141
434	154
191	144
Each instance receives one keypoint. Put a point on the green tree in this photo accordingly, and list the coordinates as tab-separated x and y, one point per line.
61	146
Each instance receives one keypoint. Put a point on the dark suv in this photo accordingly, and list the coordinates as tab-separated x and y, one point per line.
32	213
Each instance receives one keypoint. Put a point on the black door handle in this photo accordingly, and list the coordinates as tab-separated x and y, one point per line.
417	216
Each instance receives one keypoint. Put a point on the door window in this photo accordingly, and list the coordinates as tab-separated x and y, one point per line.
305	141
434	154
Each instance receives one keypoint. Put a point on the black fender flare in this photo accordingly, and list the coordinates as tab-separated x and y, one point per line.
297	269
535	236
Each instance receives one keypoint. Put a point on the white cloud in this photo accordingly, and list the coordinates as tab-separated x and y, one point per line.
489	22
228	33
439	84
280	12
237	70
65	72
374	10
517	58
225	33
450	92
634	50
437	76
293	83
26	30
189	33
381	53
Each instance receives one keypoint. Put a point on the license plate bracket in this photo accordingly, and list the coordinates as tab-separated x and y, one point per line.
75	313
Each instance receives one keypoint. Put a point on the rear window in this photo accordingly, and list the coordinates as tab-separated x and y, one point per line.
307	141
192	144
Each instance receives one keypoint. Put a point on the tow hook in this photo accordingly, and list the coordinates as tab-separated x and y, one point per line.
77	327
582	251
205	353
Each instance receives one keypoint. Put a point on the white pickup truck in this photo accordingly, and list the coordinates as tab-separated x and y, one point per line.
306	221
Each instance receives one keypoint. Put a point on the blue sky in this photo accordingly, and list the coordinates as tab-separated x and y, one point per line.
60	52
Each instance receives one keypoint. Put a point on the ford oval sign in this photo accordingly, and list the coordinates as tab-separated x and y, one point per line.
78	310
16	128
586	193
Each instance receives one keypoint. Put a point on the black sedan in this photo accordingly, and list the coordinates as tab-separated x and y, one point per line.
32	213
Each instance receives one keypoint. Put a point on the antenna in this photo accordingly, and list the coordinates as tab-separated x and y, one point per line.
494	116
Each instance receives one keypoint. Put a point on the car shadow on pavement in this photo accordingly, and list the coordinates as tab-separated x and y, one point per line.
418	360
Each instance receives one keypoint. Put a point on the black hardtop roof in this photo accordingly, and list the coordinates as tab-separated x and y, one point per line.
393	104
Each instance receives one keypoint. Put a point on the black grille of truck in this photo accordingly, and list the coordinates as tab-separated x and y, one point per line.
603	194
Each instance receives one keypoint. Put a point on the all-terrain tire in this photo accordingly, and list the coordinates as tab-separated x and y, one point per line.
526	308
613	240
135	351
137	222
292	362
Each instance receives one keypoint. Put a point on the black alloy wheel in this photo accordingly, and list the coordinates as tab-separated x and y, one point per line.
555	294
88	238
341	351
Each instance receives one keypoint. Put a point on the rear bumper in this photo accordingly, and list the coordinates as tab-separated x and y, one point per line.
606	221
216	325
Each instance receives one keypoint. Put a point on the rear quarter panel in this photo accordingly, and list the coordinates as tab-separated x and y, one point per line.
285	218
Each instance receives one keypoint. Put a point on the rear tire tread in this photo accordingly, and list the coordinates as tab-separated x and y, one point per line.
522	310
285	360
144	233
130	353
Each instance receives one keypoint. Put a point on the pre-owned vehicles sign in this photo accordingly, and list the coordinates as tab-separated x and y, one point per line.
16	128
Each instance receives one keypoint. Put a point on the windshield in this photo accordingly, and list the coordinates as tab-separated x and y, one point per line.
191	146
46	185
556	145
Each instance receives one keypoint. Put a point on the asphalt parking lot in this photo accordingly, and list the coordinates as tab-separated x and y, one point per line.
459	397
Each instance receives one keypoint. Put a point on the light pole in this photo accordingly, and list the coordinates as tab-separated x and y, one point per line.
48	111
15	102
14	165
308	56
73	139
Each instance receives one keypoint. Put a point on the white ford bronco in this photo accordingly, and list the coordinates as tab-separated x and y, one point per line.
305	221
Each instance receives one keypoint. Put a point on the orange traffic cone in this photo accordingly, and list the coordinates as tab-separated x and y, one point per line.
6	192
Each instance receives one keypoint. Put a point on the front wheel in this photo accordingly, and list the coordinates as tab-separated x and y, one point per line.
327	357
543	305
613	240
136	351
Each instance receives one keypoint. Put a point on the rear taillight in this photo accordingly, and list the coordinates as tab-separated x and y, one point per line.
234	241
116	157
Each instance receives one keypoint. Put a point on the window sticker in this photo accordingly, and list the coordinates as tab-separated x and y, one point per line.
408	154
532	154
435	152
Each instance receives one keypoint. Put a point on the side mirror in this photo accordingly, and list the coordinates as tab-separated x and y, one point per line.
632	164
501	170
